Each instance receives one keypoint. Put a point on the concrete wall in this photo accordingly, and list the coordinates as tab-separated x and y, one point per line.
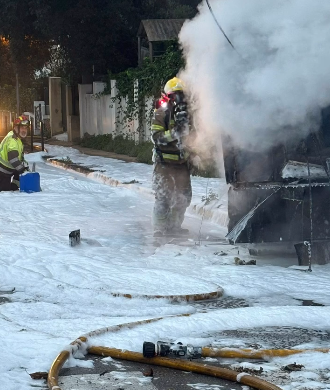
72	121
84	90
102	114
98	114
55	105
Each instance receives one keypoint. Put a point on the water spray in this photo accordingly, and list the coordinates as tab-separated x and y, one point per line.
310	217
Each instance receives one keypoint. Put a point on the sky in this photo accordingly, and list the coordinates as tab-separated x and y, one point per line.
63	292
276	80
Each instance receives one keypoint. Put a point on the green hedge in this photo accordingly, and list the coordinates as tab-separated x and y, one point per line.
128	147
120	145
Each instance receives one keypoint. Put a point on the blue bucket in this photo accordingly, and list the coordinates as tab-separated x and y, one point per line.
30	182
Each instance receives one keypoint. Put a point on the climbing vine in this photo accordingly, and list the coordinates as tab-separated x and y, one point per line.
151	78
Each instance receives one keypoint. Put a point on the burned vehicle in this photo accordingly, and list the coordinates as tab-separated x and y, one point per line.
282	195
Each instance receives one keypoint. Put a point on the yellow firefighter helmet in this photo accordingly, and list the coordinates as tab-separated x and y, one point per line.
174	85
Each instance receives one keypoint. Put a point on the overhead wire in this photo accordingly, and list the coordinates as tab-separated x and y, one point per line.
218	24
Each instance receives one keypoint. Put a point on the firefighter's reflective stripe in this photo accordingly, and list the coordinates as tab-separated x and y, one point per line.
171	156
6	163
168	136
4	170
157	128
14	160
14	181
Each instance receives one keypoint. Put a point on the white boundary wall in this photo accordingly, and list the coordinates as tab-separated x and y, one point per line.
103	115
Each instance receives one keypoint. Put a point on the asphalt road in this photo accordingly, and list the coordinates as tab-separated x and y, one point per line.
108	373
126	375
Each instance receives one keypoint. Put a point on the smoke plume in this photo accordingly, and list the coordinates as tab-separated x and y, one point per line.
277	78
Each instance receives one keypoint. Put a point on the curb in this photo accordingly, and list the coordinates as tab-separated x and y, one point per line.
177	298
90	172
213	215
91	151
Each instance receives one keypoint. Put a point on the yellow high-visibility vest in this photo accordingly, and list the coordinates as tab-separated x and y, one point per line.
8	144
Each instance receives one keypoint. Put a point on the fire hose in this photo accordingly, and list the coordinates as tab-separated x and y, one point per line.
82	344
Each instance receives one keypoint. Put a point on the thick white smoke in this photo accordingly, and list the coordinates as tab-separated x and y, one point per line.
279	77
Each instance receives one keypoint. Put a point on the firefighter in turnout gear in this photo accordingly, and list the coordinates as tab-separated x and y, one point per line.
171	133
12	162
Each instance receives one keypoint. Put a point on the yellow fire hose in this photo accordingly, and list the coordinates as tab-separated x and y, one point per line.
255	354
178	364
177	298
185	365
57	364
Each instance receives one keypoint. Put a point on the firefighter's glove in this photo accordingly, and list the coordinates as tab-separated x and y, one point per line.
180	131
26	166
181	118
175	134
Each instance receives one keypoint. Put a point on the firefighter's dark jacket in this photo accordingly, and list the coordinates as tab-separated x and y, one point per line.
169	141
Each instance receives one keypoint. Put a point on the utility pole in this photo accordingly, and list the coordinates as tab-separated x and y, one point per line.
17	95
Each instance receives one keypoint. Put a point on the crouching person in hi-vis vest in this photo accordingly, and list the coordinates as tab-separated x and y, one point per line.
12	162
171	132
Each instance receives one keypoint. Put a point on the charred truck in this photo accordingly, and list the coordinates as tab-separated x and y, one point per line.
282	195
